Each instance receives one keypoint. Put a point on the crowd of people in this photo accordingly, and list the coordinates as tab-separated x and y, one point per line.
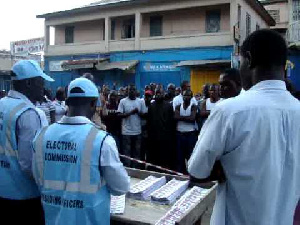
60	158
158	125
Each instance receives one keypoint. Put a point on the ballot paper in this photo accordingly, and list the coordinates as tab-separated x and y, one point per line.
117	204
188	201
168	193
143	189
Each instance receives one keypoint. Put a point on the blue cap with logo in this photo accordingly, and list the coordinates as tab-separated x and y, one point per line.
89	89
26	69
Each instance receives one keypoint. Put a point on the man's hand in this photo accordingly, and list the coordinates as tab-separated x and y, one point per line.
134	111
217	174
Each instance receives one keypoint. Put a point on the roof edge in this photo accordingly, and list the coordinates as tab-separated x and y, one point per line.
264	13
86	8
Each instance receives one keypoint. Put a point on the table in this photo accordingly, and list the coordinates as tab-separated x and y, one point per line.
147	213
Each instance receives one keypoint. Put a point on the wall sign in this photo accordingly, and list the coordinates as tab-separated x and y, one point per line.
159	67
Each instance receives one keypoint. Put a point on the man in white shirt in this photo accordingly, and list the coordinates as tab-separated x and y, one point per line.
178	100
254	136
131	109
230	83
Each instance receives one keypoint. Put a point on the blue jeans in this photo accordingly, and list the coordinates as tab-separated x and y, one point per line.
185	145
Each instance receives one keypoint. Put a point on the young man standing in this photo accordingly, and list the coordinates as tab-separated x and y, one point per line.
185	115
131	110
161	131
255	136
208	104
230	83
185	85
76	165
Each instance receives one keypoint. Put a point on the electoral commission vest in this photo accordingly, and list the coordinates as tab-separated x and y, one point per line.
14	183
68	168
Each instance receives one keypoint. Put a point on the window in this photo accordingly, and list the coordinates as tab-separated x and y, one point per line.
213	19
69	34
112	31
248	24
155	26
275	14
128	30
103	34
257	26
296	10
239	16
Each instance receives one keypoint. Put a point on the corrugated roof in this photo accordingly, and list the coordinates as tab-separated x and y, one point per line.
103	3
203	62
122	65
106	2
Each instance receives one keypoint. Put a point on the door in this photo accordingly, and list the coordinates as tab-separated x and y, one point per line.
199	77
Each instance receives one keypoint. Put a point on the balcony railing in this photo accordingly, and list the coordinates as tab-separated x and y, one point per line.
293	33
146	43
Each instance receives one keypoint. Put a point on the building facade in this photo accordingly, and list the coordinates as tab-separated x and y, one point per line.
280	11
142	41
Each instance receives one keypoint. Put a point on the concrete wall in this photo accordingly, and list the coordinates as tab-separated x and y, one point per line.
5	64
283	8
190	21
255	18
83	32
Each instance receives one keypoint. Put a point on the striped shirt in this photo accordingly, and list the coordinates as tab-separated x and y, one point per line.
47	107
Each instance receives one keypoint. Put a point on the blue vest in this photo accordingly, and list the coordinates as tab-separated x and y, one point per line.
14	183
68	171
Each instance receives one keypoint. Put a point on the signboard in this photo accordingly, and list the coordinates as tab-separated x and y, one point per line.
160	67
26	47
56	66
77	66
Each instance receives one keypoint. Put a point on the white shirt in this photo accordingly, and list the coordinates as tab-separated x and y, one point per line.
210	105
185	126
60	109
28	124
44	121
256	137
132	124
47	107
178	100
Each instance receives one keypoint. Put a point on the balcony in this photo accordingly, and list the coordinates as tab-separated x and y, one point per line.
293	33
187	41
146	43
75	48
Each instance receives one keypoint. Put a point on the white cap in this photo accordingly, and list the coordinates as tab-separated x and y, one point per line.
88	87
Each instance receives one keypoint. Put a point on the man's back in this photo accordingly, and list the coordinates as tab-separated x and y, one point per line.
263	176
258	146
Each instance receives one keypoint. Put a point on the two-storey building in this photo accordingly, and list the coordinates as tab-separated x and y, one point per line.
143	41
279	10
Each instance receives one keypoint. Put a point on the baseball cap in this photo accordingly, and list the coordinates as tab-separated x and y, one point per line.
148	92
89	89
25	69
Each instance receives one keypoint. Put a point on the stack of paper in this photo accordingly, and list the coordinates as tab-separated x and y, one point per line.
143	189
117	204
188	201
168	193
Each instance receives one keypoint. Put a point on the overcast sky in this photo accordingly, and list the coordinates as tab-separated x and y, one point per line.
18	17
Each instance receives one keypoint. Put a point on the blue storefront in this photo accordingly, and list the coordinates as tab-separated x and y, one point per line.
293	71
159	66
